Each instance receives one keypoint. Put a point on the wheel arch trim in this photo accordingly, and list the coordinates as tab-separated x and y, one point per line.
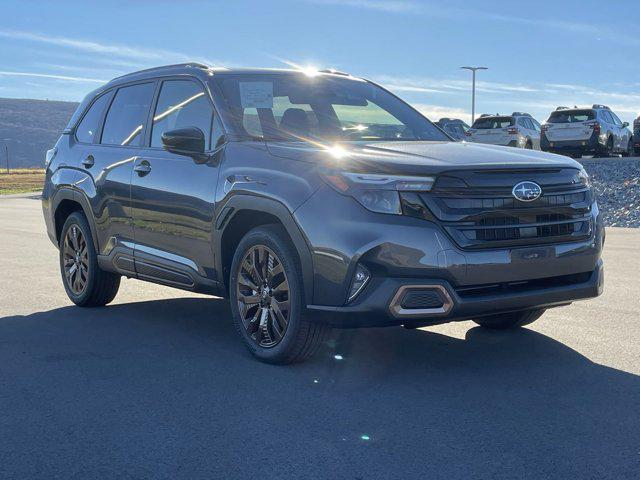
242	202
67	193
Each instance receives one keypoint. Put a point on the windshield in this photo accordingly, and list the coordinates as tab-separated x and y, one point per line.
487	123
572	116
292	106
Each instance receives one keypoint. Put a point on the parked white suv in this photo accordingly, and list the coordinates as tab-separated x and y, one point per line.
516	130
581	131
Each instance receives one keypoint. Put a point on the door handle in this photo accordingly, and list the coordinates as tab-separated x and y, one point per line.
142	168
88	161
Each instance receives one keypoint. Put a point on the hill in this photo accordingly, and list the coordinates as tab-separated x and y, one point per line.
29	128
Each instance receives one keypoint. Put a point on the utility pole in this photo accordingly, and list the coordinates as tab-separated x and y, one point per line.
6	154
473	89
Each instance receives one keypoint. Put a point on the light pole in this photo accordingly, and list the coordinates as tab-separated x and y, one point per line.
473	89
6	153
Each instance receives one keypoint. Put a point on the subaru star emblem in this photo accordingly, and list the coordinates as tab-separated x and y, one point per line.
527	191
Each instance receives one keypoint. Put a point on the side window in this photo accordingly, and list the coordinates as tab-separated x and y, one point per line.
127	116
605	115
181	103
522	122
88	127
616	120
536	125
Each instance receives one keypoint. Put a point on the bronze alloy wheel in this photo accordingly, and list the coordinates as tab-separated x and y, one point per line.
263	296
75	257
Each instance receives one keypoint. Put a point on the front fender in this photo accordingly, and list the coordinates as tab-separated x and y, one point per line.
240	202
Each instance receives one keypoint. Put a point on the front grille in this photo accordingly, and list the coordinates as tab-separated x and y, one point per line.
485	214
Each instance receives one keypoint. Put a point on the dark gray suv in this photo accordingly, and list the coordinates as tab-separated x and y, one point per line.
311	201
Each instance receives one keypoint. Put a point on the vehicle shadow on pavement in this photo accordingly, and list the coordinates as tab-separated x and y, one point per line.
165	389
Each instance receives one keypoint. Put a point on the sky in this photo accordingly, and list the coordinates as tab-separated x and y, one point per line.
539	54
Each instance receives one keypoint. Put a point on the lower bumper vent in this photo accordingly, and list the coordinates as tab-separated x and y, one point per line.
422	299
417	301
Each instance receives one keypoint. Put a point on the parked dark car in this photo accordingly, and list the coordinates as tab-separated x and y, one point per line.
454	127
311	201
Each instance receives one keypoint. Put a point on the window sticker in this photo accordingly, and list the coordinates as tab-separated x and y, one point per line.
256	94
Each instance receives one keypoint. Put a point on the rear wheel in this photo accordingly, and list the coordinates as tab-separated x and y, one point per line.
609	148
629	151
503	321
85	283
528	145
267	299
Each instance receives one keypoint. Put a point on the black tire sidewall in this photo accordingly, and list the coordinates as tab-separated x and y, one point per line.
272	238
80	221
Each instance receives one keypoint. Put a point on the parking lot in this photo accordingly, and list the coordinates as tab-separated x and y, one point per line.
157	385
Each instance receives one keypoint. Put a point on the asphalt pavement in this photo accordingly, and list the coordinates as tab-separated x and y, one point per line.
157	385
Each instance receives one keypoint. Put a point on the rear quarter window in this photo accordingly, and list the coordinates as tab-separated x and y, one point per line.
88	127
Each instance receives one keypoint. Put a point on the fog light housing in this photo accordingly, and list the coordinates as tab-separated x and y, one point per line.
360	279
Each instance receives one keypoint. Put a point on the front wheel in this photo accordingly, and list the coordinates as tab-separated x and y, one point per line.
267	299
85	283
503	321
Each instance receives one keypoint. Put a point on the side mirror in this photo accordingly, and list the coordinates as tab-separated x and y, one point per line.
625	124
187	141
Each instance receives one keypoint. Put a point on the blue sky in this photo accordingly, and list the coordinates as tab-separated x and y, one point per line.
540	54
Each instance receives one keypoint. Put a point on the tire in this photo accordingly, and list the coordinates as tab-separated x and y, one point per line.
272	338
629	151
528	145
609	151
99	287
504	321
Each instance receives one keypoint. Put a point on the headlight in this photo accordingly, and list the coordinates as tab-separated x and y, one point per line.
583	177
50	155
377	192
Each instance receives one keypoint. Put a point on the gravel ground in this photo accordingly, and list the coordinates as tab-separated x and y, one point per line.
617	181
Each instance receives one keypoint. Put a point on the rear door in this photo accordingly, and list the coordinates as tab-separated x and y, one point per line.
535	134
109	160
172	195
622	132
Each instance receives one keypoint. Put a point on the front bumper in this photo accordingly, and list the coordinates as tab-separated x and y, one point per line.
376	307
403	251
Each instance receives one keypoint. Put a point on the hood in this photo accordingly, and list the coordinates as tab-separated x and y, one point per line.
416	158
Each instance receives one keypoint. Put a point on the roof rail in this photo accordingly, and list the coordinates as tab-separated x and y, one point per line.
486	115
162	67
520	114
562	108
596	105
335	72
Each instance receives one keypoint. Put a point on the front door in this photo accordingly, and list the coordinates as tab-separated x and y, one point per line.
172	196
